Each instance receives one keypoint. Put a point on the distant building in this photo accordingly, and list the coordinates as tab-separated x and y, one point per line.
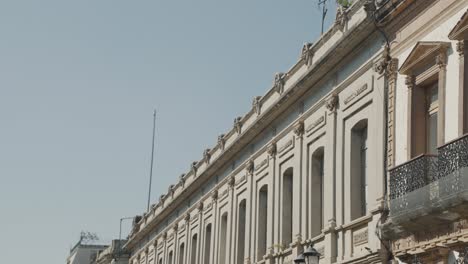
113	254
84	254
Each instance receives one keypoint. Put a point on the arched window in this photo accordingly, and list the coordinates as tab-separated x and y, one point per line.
193	253
223	238
317	193
171	256
262	222
160	261
207	244
287	204
359	157
181	253
241	232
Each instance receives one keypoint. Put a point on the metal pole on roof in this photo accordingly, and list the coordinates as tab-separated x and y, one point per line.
323	3
152	161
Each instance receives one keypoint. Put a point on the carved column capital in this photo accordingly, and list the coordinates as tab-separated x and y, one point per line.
410	81
187	218
214	195
200	207
307	53
249	167
272	149
279	81
299	129
441	60
332	103
392	69
175	228
232	182
461	48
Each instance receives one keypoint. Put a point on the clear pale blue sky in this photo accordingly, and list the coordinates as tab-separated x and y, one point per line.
78	83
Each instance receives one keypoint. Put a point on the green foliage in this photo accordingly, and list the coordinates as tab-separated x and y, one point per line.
344	3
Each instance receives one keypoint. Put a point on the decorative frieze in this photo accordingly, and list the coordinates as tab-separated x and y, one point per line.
261	165
360	238
318	123
356	94
286	146
241	180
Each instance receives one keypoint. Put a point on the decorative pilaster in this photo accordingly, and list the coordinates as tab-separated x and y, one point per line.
462	89
441	61
391	74
410	83
298	184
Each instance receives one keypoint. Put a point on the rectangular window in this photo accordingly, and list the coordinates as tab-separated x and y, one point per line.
432	106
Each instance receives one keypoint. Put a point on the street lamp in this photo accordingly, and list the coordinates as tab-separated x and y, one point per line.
310	256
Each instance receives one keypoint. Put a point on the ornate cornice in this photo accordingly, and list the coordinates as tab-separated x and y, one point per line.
409	81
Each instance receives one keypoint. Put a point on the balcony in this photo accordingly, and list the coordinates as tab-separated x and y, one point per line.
429	189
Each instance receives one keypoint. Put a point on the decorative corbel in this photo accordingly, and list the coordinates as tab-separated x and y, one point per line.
461	48
409	81
332	103
249	167
299	129
200	207
214	195
232	182
272	150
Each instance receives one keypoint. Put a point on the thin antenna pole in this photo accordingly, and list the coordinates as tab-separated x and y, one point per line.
152	160
324	12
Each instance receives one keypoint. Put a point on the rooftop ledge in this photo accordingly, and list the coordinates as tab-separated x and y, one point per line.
350	28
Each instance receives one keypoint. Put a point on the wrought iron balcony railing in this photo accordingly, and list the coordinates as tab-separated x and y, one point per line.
429	182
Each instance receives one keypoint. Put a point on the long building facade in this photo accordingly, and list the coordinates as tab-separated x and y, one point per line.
428	125
332	154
